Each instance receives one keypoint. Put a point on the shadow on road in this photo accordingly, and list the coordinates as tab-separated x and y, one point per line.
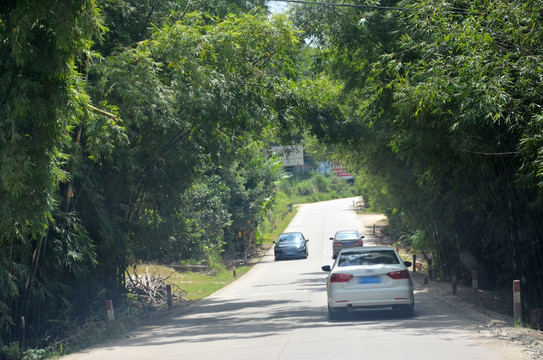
215	319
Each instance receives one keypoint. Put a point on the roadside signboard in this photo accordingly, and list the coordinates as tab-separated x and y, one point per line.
290	155
341	172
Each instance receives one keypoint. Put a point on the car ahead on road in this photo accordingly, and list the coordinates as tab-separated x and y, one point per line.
291	245
369	277
345	239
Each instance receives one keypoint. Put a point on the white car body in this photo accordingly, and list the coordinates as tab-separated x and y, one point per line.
369	277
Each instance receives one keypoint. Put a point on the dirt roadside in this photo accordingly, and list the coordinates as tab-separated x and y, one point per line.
489	323
490	318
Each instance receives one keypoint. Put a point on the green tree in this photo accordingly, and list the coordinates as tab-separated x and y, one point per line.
197	92
42	100
132	21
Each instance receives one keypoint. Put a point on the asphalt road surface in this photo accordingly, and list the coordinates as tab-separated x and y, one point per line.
278	311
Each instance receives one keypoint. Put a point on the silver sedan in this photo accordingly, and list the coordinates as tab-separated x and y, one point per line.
345	239
369	277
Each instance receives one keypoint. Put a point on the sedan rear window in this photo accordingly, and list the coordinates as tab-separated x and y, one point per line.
373	257
351	235
290	238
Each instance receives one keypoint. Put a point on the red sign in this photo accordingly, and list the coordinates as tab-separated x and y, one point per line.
340	171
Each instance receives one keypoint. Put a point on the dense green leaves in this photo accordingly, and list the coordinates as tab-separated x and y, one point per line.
197	92
41	100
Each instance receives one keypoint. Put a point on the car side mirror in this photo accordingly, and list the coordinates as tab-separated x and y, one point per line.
326	268
331	238
408	263
362	236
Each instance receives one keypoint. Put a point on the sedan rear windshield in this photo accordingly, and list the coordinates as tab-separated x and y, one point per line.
291	238
372	257
351	235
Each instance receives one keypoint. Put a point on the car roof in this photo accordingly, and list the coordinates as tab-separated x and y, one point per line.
346	231
367	248
291	232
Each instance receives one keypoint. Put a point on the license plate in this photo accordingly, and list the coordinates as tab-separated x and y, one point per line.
369	280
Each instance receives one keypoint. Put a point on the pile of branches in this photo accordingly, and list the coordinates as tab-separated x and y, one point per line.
150	289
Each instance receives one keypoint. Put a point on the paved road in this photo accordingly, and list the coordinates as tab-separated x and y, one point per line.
278	311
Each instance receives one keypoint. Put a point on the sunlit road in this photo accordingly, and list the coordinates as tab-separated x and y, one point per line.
278	311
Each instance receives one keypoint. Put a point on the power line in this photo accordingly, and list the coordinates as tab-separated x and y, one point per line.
376	7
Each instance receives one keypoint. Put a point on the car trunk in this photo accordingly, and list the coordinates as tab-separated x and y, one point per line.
371	277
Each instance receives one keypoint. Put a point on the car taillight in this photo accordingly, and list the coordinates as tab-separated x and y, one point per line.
340	277
399	275
359	242
337	243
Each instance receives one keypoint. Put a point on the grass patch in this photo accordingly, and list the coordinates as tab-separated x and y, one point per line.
198	286
194	285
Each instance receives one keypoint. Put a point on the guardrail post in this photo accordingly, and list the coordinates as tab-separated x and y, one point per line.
234	268
414	262
430	271
475	286
23	333
169	296
109	309
453	276
517	308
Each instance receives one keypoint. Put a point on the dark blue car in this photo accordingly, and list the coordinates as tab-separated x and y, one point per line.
291	245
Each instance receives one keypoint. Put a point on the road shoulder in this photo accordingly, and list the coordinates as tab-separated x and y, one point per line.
490	323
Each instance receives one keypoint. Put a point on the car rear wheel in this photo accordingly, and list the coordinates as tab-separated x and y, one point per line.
406	310
334	313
